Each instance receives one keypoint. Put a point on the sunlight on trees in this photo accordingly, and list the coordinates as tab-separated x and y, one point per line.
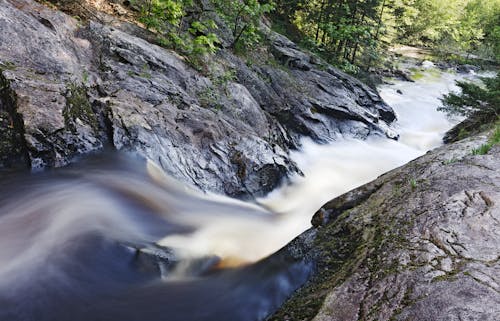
356	33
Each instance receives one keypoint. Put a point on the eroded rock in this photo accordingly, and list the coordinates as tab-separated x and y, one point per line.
81	88
421	242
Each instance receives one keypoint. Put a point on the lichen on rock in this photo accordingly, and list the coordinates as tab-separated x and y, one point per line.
421	243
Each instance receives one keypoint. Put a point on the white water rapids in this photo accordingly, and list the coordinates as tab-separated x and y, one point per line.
329	170
69	239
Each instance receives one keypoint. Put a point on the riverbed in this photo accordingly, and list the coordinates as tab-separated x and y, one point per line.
70	240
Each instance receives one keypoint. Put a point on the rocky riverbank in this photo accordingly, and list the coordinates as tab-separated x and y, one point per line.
421	242
68	88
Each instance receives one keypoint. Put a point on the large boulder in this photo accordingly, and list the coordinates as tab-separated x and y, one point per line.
421	242
69	88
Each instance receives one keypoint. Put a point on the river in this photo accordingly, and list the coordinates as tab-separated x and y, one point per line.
69	238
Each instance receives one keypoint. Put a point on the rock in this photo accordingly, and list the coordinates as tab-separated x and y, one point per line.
153	258
426	64
444	65
472	125
421	242
70	89
399	91
466	69
403	75
163	262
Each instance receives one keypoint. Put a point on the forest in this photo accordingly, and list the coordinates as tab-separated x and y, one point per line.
351	34
356	33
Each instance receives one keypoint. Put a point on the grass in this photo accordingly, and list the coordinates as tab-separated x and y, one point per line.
413	183
492	141
450	161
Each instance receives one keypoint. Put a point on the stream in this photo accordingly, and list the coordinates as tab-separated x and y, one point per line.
69	238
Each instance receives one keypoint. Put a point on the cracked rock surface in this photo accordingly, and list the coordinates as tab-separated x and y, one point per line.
68	88
421	242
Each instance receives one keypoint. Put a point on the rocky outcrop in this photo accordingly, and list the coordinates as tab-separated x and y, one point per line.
69	88
472	125
421	242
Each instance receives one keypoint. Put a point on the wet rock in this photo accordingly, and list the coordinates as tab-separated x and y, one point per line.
80	88
472	125
465	69
152	258
419	243
163	262
403	75
426	64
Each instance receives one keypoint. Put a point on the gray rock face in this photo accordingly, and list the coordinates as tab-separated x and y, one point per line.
70	89
421	242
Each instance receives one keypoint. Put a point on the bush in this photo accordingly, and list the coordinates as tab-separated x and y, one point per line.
168	19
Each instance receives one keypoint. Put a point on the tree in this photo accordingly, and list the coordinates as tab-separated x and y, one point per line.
169	17
243	18
475	99
453	25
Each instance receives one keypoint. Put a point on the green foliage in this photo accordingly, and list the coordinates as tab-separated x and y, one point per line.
357	33
345	33
492	141
185	26
413	183
243	18
162	15
85	76
225	78
169	19
450	161
474	99
464	26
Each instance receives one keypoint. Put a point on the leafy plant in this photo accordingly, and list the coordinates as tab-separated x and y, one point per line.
413	183
168	19
243	17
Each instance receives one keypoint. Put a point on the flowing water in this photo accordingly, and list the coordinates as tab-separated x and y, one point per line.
69	239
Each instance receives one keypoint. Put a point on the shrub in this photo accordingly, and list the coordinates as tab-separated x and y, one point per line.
168	19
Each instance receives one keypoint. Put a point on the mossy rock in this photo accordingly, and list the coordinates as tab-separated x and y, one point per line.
78	107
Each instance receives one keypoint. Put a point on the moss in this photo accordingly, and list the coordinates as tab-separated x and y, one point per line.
359	238
336	246
239	160
7	137
208	97
223	79
145	75
448	276
406	301
7	65
13	152
78	107
463	133
417	75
